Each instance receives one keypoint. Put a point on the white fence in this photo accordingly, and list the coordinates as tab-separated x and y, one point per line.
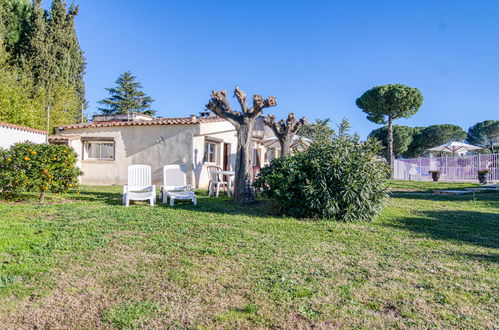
458	168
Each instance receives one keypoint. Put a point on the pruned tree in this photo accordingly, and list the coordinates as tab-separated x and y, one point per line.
285	130
243	121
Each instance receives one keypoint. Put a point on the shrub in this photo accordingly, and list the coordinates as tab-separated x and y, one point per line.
29	167
340	179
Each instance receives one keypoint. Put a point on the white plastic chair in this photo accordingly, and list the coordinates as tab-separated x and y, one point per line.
215	175
175	185
139	185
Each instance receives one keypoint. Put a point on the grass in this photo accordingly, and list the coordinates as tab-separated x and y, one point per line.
85	261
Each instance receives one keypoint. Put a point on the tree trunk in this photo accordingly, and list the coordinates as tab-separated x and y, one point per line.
390	145
243	187
285	146
285	130
42	196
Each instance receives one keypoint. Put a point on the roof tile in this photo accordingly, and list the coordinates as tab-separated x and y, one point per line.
159	121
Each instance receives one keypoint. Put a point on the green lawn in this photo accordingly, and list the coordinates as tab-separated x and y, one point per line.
85	261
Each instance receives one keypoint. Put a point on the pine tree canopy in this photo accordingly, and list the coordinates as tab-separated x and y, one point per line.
126	97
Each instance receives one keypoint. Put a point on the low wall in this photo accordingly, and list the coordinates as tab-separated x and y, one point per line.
10	134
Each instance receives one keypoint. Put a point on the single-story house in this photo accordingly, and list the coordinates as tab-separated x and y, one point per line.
10	134
107	145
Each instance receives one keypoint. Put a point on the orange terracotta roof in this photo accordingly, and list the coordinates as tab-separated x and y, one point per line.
22	128
159	121
62	138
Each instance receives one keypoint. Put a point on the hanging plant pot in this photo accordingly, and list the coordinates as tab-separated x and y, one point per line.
483	176
435	175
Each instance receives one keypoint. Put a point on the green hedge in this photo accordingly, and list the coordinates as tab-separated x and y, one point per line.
340	179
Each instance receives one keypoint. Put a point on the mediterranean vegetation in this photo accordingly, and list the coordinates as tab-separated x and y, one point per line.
28	167
384	104
84	261
41	64
414	141
126	97
339	178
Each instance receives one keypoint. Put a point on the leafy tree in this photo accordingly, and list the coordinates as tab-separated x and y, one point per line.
402	138
433	136
384	104
14	16
38	168
318	130
41	64
126	97
484	134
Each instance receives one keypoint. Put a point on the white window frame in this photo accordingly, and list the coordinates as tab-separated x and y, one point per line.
88	142
215	147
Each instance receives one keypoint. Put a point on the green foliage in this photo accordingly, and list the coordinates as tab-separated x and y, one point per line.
319	130
402	138
433	136
28	167
14	16
41	63
339	179
126	97
394	101
484	134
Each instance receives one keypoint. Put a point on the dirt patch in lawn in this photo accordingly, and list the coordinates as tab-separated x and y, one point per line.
97	284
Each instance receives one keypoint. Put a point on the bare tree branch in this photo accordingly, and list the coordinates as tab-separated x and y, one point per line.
285	130
241	98
219	105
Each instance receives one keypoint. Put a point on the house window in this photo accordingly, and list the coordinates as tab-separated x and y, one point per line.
99	150
271	154
210	152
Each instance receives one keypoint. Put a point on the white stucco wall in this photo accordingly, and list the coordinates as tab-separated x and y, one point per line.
224	131
154	145
10	135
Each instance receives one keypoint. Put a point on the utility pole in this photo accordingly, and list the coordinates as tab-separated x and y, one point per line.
82	109
48	124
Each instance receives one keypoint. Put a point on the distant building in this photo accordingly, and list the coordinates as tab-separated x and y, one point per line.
10	134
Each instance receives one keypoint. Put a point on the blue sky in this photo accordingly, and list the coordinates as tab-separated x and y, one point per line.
316	57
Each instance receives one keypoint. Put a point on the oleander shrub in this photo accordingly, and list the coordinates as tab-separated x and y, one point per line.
30	167
338	179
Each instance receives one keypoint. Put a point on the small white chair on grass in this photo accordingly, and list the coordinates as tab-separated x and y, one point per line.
139	185
175	185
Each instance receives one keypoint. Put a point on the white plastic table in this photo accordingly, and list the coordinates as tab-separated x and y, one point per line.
230	177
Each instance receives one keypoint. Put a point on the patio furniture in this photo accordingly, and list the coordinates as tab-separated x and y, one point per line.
230	180
216	180
139	185
175	185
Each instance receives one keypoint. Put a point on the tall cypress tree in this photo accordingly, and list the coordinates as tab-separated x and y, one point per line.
65	46
52	56
14	18
126	97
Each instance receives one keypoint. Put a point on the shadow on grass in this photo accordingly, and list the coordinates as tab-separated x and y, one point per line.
492	257
490	197
220	204
476	228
